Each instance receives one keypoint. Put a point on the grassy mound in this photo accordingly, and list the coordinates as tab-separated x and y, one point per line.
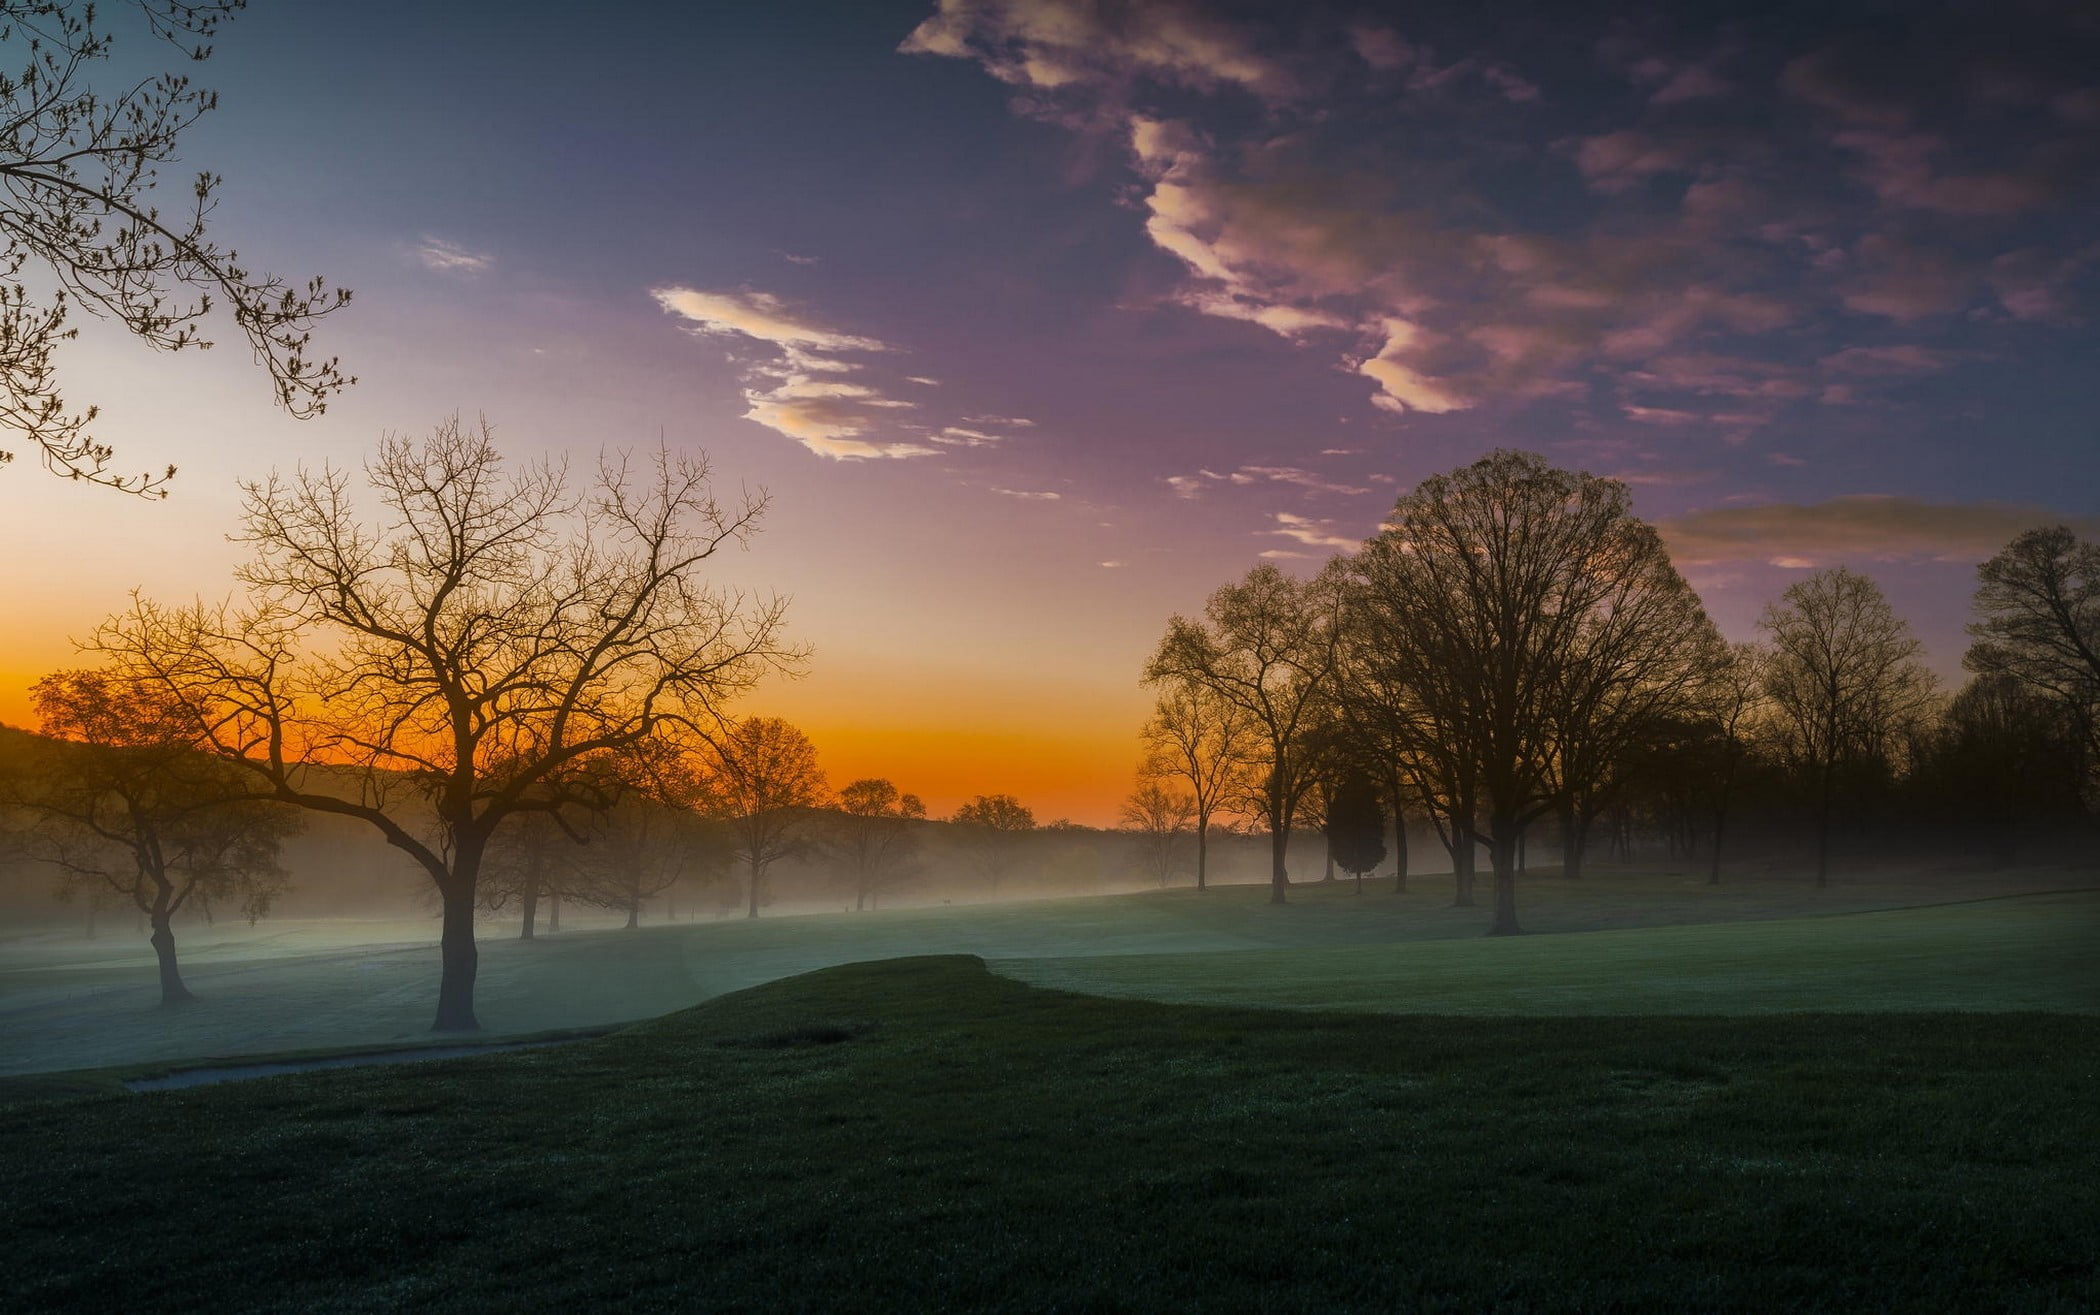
921	1134
2020	953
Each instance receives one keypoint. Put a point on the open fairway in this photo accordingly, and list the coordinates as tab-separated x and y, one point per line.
278	987
2033	952
921	1134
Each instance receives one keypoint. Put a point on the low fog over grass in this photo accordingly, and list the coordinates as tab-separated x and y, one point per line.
294	984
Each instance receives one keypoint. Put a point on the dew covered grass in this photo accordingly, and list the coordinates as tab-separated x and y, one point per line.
922	1134
2032	952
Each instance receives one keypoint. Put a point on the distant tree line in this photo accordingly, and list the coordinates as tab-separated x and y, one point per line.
1514	658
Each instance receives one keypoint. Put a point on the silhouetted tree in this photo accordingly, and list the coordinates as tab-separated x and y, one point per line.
79	169
1734	704
527	860
2038	621
875	837
1206	742
1632	670
992	827
1416	755
1355	825
1162	819
478	650
763	780
1524	598
131	804
2005	761
639	849
1843	679
1268	646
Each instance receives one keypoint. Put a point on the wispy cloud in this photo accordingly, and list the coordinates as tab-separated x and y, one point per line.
1030	495
807	380
1311	532
760	316
1190	486
448	257
1860	527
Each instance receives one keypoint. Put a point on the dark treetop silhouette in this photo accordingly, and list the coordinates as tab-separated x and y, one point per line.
1535	625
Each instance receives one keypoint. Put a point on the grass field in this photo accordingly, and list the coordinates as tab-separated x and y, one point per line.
277	987
921	1134
2032	952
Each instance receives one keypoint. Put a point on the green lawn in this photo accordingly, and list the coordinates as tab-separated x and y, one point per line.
923	1135
2038	952
286	986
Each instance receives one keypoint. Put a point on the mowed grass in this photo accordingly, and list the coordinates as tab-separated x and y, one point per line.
922	1135
284	986
2033	952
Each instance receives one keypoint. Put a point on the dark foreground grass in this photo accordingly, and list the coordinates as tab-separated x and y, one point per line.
920	1135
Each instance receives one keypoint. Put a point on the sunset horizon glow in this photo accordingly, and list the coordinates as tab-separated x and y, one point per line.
1038	321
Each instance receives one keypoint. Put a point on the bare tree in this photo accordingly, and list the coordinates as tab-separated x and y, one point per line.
875	836
1631	667
1735	709
1206	742
1844	680
2038	621
2006	762
764	779
639	849
1499	585
1267	646
1162	818
528	861
80	169
476	652
1418	758
131	804
992	827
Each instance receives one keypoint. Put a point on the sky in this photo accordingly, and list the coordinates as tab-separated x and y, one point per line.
1037	320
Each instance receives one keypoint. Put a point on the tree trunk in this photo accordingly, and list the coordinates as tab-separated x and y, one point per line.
754	889
1329	877
1399	852
634	908
532	908
1823	832
1461	867
553	912
1523	851
172	991
1279	847
1574	839
1502	853
1202	851
458	957
1713	863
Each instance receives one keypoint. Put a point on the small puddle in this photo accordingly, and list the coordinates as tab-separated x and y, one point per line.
203	1077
